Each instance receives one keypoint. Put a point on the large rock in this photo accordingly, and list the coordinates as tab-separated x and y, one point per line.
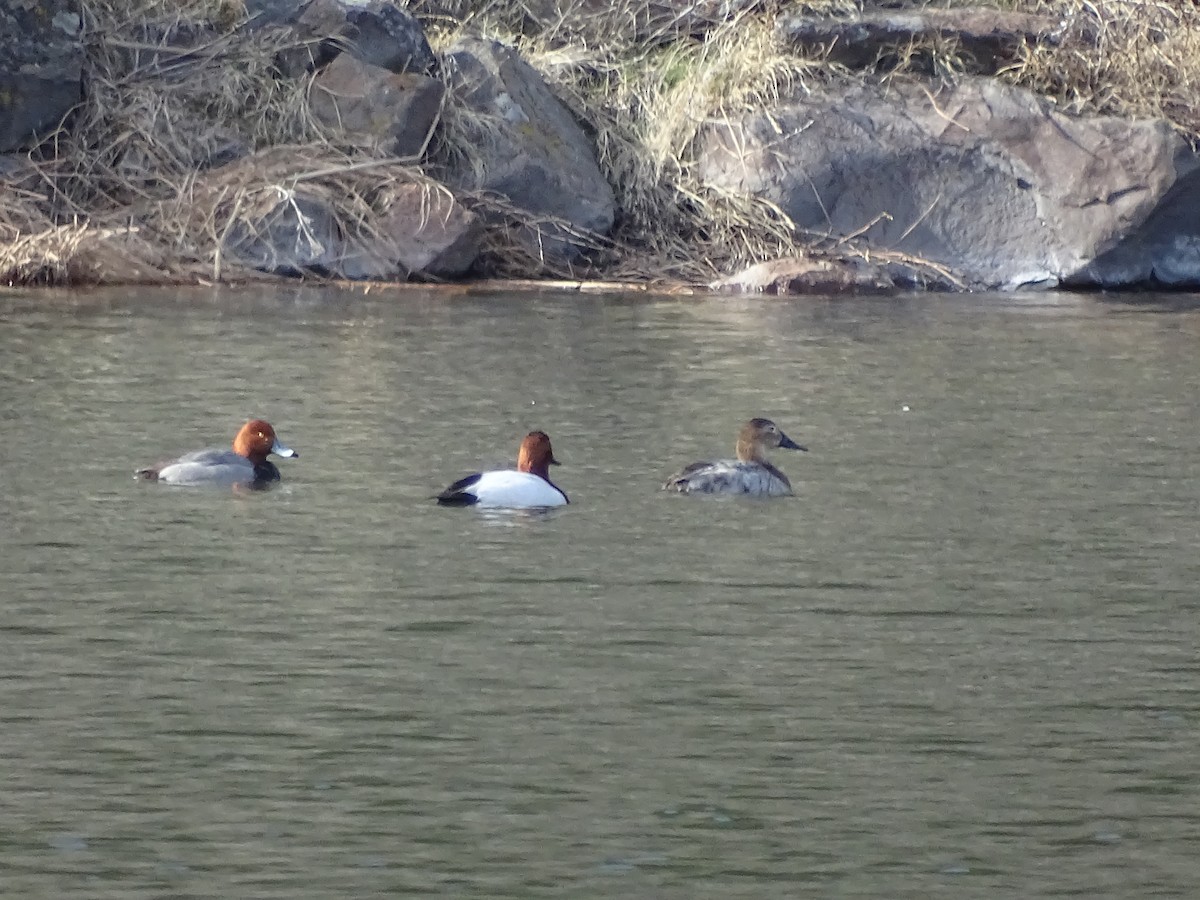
528	148
597	23
423	233
385	34
285	232
385	221
41	62
602	22
985	179
378	32
988	38
395	110
1164	251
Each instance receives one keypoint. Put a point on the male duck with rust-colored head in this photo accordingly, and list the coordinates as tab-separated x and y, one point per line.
245	465
529	487
750	473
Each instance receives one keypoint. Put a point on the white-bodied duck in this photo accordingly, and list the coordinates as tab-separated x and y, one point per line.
529	487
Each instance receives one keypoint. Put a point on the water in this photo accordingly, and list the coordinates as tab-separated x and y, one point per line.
961	662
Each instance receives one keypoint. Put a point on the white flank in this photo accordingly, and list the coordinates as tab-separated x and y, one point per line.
515	490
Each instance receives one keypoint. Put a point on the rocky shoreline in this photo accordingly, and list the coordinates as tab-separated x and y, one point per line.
723	146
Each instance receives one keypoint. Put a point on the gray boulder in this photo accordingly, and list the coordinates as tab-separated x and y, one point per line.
288	234
385	34
603	23
41	64
397	111
424	232
986	180
527	148
989	38
1164	251
378	32
387	223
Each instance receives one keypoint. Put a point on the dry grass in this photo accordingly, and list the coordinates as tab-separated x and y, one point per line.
644	109
135	190
33	250
199	218
167	89
170	86
644	104
1135	58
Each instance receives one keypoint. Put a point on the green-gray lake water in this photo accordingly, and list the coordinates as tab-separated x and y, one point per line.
961	662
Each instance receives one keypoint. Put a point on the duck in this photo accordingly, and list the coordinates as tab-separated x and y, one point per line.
245	465
528	487
750	473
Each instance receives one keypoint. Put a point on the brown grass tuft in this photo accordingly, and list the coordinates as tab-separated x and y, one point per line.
1136	58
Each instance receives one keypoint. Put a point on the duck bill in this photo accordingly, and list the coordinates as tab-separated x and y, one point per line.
280	450
788	444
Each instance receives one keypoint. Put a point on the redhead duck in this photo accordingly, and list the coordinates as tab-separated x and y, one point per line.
245	465
750	473
529	487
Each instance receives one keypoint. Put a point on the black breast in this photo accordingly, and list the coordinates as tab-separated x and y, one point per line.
265	473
